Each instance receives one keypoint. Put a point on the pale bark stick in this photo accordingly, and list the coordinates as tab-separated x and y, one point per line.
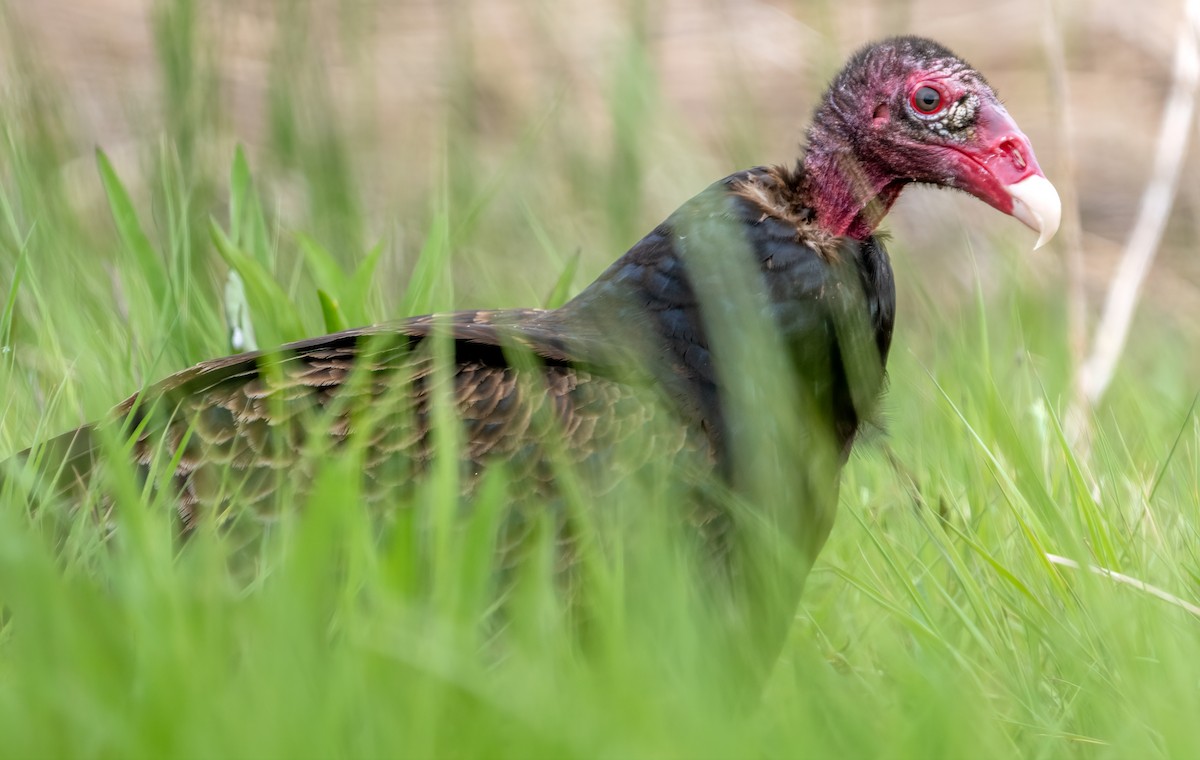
1157	199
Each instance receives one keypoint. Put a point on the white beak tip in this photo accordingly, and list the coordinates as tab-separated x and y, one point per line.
1036	204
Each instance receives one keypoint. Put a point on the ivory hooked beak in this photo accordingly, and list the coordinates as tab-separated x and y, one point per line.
1035	202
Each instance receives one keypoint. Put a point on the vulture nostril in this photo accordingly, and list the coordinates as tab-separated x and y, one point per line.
1013	149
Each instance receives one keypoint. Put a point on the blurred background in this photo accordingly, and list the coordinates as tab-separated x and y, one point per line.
492	153
550	128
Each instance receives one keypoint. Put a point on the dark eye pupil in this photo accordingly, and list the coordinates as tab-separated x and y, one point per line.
927	99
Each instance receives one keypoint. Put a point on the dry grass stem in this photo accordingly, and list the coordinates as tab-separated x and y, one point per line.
1065	175
1122	578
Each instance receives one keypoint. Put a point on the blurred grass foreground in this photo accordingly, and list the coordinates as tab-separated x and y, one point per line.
405	158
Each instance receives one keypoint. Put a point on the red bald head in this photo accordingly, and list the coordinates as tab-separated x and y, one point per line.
908	110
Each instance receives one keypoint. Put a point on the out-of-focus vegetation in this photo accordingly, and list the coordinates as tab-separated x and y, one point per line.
478	149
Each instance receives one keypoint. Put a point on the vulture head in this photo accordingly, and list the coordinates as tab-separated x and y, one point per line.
908	110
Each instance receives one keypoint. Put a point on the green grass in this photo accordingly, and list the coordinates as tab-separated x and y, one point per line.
932	624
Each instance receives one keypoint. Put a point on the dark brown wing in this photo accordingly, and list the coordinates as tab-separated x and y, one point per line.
236	431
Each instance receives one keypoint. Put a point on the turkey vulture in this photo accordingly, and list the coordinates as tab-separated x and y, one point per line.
633	362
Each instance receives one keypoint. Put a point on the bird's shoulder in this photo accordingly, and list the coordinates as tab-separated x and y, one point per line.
775	201
765	212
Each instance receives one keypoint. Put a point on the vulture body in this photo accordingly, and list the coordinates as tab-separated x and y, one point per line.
629	363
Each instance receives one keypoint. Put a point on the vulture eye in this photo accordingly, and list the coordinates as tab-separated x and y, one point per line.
927	100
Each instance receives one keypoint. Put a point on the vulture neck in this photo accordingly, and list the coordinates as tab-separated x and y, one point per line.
850	196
